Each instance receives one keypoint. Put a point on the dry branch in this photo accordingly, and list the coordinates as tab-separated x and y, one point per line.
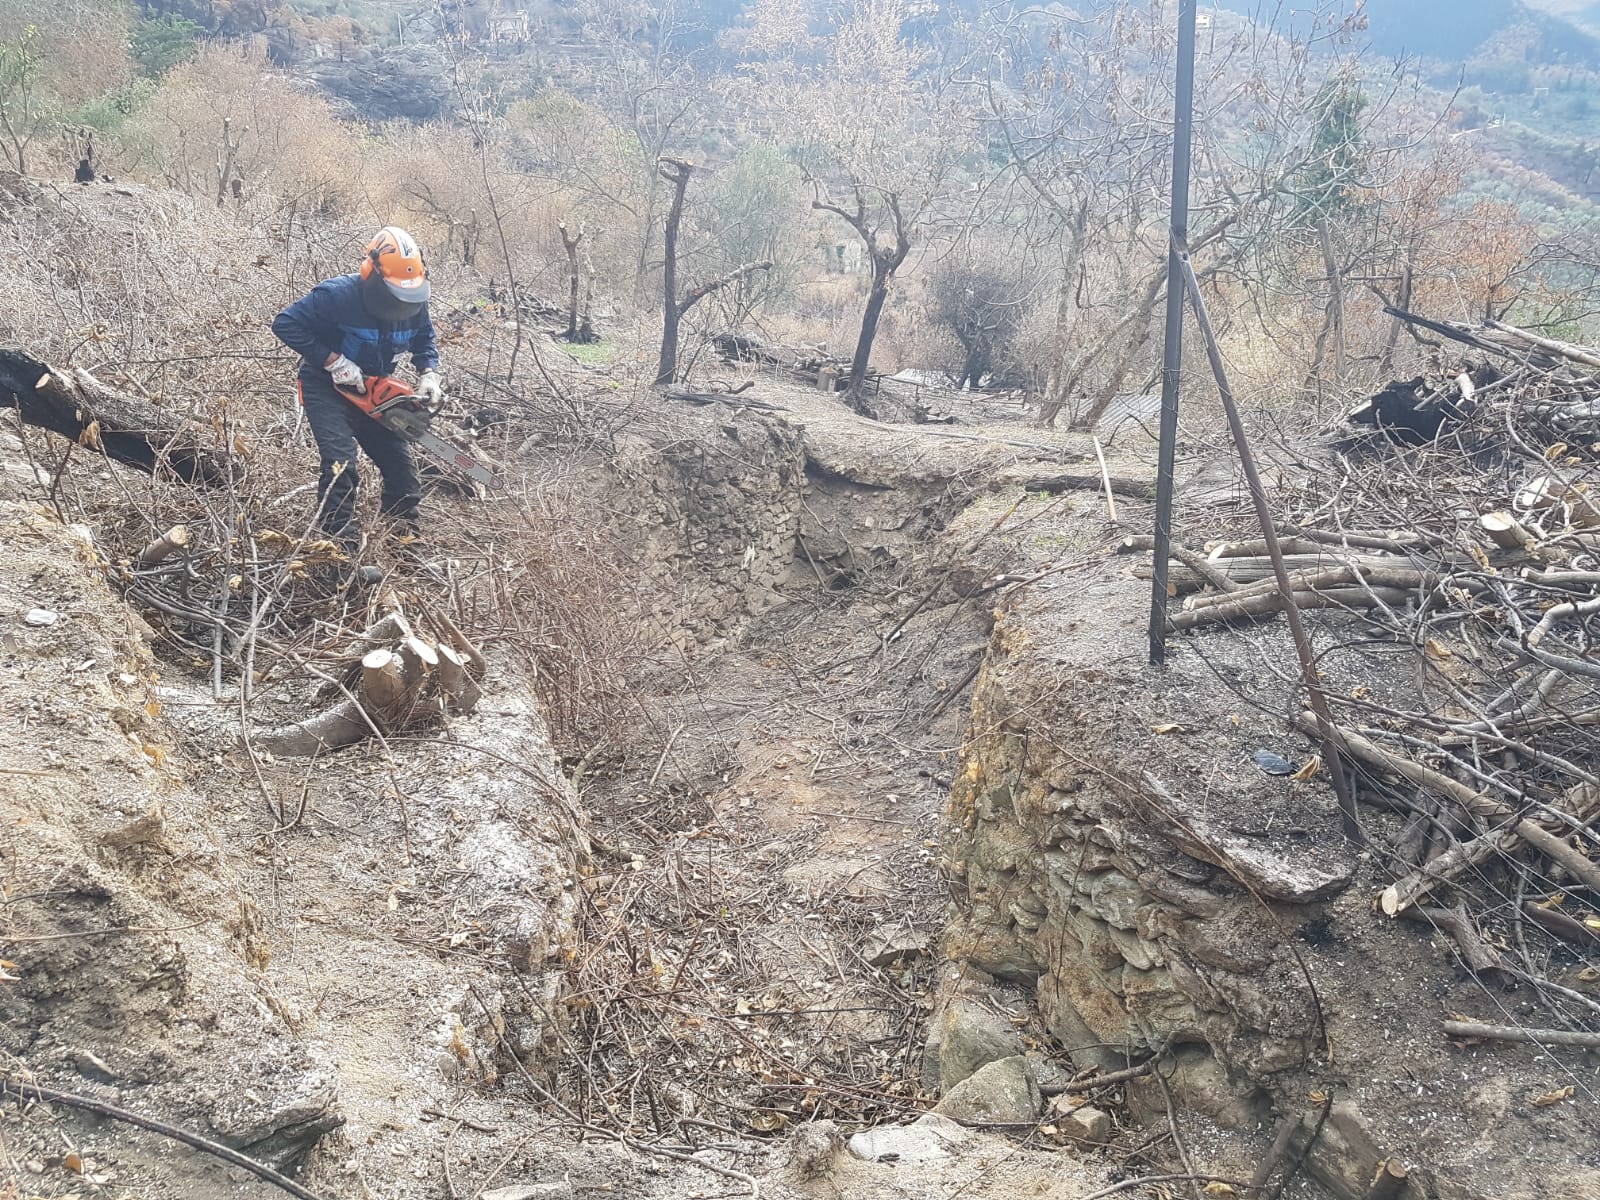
26	1092
1407	891
164	547
1517	1033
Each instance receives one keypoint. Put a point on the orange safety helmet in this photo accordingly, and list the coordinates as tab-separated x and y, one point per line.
397	259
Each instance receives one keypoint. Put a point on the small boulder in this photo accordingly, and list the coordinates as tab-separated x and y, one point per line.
813	1148
970	1036
888	943
1004	1092
927	1139
1087	1124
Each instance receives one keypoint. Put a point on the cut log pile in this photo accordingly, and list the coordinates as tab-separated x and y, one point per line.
806	363
1463	520
400	672
405	676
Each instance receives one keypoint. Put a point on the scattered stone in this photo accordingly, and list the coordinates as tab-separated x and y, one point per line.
887	943
1004	1092
970	1037
92	1066
40	616
1273	764
1087	1124
1053	1076
559	1190
813	1149
927	1139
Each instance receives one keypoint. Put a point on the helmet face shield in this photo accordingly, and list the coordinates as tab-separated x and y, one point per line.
409	291
389	303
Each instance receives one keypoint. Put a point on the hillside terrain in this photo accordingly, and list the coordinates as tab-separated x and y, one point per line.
766	786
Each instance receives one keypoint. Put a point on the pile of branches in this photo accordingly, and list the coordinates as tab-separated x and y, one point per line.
1464	522
223	605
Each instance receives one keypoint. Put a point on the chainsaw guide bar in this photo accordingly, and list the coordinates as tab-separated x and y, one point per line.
393	404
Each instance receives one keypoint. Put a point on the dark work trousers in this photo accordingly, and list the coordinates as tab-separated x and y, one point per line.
339	427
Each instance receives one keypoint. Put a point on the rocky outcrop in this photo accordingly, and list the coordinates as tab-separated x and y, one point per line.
378	85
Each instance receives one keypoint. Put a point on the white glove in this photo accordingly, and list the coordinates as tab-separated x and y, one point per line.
347	375
430	391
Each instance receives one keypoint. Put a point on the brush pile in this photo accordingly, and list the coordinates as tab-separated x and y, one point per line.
1460	516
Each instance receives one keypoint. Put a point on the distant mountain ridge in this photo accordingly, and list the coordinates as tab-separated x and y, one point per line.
1454	31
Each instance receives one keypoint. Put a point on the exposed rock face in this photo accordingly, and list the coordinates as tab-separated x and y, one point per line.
716	518
410	84
1078	880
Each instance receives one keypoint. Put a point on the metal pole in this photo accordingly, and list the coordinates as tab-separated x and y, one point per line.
1172	355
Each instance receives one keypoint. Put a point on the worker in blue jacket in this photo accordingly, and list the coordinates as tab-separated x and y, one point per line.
346	329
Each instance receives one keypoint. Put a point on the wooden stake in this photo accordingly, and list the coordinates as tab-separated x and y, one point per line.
1105	479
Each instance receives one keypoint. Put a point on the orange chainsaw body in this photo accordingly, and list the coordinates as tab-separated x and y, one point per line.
392	403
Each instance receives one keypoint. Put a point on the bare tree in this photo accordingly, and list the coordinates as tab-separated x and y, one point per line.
887	245
1088	151
677	172
868	122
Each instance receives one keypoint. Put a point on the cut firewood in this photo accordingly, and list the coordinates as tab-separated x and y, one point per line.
383	682
394	686
1258	547
1389	1183
476	663
418	660
1505	531
1402	578
1266	603
1549	492
164	547
78	406
1408	890
461	692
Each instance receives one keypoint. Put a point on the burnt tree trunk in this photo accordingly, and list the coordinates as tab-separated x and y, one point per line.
76	405
674	306
579	328
676	172
886	259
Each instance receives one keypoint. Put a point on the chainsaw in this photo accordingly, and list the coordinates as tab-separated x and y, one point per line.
394	405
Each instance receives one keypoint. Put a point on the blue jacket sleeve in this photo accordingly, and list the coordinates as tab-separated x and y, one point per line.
424	353
303	325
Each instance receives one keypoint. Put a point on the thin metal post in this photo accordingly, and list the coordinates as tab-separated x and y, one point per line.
1172	354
